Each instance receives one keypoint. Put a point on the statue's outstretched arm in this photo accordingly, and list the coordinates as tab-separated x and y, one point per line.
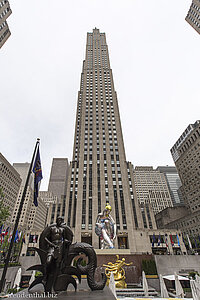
97	220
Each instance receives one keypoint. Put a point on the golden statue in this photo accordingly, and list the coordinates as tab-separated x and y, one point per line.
118	272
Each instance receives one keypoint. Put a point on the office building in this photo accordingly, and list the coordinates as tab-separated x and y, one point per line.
58	187
193	16
186	155
151	187
58	177
10	182
99	172
5	12
48	197
173	182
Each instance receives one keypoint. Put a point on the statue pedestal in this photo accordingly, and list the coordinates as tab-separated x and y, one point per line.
83	293
105	294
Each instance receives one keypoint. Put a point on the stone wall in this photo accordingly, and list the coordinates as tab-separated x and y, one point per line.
181	264
133	272
10	276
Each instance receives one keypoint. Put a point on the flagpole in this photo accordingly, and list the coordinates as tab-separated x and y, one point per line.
2	282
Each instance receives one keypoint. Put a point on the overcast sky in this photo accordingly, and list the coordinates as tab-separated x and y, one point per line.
154	55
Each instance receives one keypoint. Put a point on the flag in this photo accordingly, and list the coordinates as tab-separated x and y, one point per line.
16	237
30	238
172	242
3	231
196	246
19	236
183	239
34	239
7	230
37	170
178	240
189	242
159	240
24	238
154	240
10	237
166	242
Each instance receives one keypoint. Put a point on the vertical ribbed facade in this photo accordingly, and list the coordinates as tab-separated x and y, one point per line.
98	171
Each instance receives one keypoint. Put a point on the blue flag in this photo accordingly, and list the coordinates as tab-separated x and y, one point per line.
195	241
178	240
154	240
16	237
37	170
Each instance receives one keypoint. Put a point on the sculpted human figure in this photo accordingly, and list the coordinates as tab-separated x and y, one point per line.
106	228
57	242
57	252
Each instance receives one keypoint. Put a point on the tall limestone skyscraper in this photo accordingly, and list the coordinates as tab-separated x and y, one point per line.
99	172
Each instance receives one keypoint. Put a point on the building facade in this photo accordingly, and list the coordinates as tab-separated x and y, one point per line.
186	155
173	182
10	182
99	172
5	12
193	16
168	217
151	187
58	177
58	188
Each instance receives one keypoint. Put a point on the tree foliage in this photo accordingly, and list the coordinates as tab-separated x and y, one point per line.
149	267
4	211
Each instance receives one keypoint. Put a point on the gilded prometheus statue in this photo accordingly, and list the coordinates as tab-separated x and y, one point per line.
106	228
118	272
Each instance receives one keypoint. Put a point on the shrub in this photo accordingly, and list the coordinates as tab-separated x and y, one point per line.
149	267
192	274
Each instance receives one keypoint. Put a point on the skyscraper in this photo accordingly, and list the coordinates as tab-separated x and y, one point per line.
57	186
151	187
186	155
99	171
193	16
58	177
5	12
173	182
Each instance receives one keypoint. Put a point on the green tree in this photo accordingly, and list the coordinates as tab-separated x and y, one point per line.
4	211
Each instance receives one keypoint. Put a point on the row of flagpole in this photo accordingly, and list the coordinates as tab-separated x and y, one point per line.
20	236
35	167
186	240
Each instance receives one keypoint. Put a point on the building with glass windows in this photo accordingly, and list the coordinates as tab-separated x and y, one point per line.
57	188
151	188
193	16
10	182
5	12
99	172
173	182
186	155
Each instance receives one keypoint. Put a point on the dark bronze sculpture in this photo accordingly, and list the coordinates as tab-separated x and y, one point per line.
56	253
